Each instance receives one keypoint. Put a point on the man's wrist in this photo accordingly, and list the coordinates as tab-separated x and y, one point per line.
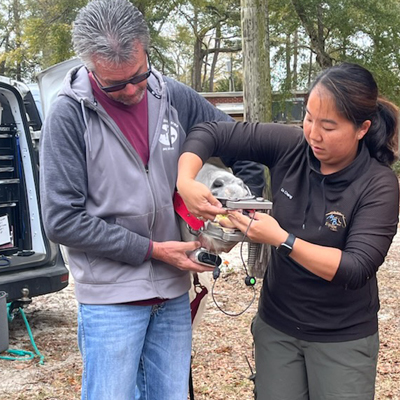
149	253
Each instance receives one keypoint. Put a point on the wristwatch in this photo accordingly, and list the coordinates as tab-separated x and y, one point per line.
286	247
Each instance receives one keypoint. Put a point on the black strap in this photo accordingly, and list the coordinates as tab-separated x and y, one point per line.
191	390
201	291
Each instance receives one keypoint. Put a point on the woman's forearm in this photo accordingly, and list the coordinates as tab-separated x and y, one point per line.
321	261
189	165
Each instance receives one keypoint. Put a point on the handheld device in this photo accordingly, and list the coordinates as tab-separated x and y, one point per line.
204	257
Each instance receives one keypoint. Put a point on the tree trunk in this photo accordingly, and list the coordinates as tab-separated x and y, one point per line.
17	30
310	64
215	58
257	96
295	58
288	56
257	92
205	68
197	64
197	57
316	36
5	43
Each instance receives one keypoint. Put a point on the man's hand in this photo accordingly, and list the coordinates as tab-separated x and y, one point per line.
176	254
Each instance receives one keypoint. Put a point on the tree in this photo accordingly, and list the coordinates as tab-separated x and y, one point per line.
257	96
12	59
315	29
189	38
35	35
362	31
207	22
256	61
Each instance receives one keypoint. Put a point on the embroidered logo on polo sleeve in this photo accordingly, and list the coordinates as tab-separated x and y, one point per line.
335	220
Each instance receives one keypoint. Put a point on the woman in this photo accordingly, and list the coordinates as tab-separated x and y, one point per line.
335	212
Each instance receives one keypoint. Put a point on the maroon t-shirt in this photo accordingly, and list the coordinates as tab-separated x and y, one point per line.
132	120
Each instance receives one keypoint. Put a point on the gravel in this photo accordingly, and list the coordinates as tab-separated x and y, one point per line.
222	344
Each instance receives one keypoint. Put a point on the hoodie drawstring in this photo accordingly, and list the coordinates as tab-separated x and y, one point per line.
169	103
169	115
308	203
86	124
324	200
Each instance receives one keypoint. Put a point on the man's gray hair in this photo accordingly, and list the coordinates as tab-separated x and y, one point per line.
109	30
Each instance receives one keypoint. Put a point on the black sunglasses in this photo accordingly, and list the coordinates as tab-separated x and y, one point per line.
119	86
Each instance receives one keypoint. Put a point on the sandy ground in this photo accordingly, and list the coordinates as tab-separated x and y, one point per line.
222	346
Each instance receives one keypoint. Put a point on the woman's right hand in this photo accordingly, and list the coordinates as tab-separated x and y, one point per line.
198	199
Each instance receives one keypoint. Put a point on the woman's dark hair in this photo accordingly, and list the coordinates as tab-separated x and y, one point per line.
356	96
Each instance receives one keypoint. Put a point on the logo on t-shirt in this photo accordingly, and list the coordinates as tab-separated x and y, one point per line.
169	134
335	220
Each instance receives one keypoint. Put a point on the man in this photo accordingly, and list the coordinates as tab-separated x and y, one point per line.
109	152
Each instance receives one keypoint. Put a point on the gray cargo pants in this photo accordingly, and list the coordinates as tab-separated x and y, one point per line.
292	369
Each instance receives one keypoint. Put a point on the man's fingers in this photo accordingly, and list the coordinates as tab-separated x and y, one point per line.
191	246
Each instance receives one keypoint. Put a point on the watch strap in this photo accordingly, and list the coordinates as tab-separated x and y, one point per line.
287	246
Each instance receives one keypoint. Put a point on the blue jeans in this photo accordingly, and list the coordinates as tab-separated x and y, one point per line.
126	348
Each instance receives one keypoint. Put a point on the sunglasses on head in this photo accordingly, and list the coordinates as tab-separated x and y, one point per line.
119	86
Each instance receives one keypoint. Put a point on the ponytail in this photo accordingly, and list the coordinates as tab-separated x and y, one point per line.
382	137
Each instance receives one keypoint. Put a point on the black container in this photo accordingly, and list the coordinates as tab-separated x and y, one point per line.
4	338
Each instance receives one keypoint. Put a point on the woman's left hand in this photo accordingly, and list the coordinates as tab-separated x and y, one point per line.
263	228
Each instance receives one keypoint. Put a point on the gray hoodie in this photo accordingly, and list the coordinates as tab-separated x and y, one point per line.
100	200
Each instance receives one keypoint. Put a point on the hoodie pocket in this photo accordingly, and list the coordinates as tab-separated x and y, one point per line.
105	270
